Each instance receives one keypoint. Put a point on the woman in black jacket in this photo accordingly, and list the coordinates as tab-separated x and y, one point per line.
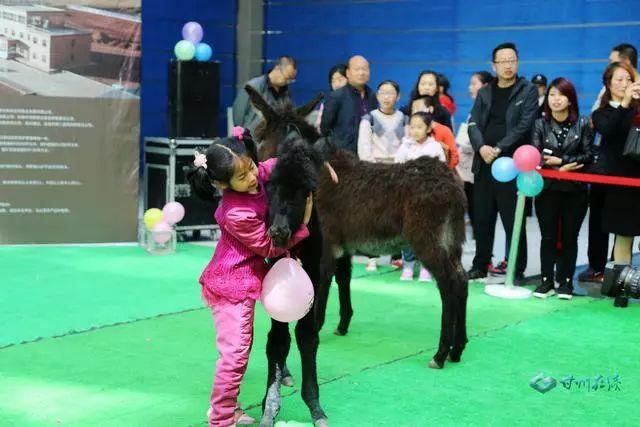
618	112
427	86
566	140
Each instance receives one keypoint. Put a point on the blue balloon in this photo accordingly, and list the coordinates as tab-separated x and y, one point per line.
530	183
203	52
504	169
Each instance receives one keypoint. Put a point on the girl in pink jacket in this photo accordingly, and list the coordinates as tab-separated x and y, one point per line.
231	282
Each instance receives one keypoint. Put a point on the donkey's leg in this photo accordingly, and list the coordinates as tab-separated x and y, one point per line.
307	339
343	279
324	275
460	290
447	323
287	378
278	343
431	256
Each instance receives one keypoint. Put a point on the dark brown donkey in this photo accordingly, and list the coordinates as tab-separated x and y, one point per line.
375	208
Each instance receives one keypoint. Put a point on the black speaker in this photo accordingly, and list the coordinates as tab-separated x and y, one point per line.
194	99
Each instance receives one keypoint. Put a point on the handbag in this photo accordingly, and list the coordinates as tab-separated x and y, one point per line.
631	148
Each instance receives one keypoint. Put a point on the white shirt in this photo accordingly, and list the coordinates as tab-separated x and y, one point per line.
410	150
379	136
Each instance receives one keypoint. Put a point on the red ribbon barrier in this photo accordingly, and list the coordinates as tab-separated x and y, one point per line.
591	178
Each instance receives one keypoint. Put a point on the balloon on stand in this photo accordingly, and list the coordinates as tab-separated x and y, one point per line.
161	232
152	217
287	291
530	183
184	50
504	169
173	212
527	158
203	52
192	31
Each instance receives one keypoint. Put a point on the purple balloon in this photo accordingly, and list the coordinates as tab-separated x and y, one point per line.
192	31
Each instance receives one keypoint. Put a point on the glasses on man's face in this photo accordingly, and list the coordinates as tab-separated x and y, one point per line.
506	62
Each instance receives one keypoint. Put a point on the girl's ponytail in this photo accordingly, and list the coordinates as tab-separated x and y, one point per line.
201	183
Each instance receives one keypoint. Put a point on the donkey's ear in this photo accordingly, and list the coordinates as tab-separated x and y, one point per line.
307	108
258	101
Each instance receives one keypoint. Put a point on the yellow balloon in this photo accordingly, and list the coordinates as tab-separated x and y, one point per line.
152	217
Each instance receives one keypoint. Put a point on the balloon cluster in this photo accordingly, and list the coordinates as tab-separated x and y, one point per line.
522	166
162	221
191	45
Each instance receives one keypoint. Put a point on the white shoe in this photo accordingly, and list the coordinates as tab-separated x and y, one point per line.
372	265
407	274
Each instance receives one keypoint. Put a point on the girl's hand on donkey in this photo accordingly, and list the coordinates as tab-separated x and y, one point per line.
308	209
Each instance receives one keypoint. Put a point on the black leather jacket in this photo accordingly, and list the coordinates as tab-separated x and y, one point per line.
577	147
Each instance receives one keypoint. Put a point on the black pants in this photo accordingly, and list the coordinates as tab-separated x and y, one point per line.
567	208
491	197
598	239
468	191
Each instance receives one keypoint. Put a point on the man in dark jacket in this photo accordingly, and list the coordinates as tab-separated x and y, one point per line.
501	121
345	107
274	88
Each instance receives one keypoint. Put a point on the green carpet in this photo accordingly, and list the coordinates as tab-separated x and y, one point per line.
67	289
158	371
73	288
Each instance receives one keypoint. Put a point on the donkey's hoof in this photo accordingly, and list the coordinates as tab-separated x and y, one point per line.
287	381
266	423
322	422
339	332
435	365
453	358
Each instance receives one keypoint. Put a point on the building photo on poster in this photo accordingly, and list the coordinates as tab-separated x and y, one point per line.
69	120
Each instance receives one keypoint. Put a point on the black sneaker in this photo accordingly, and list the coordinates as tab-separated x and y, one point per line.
545	289
476	273
565	291
590	275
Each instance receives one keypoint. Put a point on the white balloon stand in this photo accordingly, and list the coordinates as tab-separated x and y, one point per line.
508	290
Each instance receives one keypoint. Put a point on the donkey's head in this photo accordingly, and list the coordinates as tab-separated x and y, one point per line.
282	121
292	179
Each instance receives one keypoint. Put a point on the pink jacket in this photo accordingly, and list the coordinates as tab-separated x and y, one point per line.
238	265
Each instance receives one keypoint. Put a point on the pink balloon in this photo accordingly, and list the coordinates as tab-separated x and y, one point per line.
287	291
527	158
161	232
173	212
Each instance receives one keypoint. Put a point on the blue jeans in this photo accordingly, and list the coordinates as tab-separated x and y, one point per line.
409	258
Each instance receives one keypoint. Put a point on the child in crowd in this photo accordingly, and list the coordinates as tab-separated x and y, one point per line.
418	143
381	133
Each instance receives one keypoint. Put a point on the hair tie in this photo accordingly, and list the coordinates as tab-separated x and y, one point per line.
238	132
200	160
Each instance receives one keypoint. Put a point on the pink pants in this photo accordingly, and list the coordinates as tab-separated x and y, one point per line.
234	335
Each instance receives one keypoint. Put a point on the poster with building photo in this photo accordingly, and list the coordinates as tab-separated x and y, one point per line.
69	120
